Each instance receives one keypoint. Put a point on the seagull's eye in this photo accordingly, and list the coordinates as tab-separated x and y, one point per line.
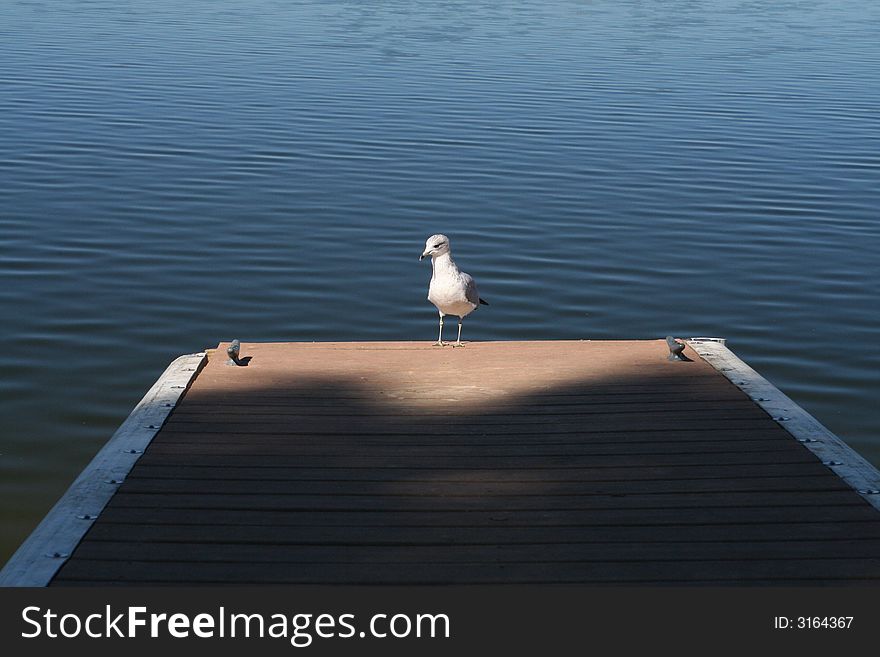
437	246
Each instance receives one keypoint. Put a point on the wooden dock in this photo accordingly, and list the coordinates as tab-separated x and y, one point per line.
592	462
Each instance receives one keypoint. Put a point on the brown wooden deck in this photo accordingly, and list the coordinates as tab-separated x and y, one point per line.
544	462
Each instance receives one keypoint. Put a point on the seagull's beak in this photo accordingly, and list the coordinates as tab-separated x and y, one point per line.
423	256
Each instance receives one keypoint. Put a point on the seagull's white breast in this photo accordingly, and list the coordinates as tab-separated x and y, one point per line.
447	292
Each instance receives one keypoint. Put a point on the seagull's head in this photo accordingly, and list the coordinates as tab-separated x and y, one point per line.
435	245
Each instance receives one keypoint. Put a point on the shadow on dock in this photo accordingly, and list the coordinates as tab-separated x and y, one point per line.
660	475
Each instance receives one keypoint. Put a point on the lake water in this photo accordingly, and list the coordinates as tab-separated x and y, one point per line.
177	173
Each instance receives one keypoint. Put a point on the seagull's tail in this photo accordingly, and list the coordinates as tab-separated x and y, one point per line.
485	303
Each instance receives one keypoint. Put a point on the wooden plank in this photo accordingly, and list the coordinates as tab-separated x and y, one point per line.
344	426
123	504
548	437
493	535
392	398
689	571
397	485
277	452
777	445
489	460
475	496
477	518
281	413
858	582
56	537
451	554
320	373
354	424
467	431
462	477
229	469
703	394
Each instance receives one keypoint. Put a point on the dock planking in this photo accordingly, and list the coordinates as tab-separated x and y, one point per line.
591	462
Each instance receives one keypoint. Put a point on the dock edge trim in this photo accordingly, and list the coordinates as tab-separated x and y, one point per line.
833	452
53	541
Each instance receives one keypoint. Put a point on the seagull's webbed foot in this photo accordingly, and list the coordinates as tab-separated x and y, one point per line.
458	344
440	344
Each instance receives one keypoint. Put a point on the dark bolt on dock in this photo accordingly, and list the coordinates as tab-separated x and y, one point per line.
612	462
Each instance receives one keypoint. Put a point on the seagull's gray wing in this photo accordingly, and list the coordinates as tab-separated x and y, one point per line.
470	289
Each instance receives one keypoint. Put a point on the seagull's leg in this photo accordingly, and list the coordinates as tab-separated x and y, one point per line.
439	342
458	343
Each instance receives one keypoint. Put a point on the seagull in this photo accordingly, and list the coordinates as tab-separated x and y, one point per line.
451	290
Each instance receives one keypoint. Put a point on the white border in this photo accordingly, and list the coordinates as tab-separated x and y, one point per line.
53	541
842	459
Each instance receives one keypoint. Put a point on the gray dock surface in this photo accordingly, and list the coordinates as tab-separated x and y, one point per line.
593	462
